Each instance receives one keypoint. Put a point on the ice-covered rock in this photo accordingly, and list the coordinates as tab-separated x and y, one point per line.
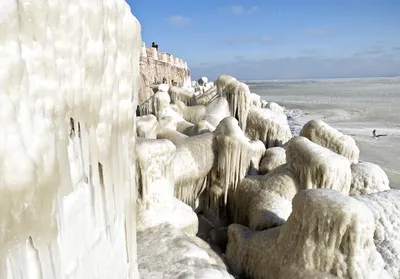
274	107
262	202
367	178
273	158
146	126
177	93
238	96
328	235
385	207
165	252
318	167
155	176
255	100
321	133
267	126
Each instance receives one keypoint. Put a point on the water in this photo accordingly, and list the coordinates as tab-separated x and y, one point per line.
353	106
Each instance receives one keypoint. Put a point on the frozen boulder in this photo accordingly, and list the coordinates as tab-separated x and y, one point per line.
273	158
267	126
321	133
367	178
318	167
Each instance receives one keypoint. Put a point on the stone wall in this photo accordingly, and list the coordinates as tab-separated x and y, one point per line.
155	66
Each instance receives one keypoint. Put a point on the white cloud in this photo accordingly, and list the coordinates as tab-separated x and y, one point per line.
240	10
177	20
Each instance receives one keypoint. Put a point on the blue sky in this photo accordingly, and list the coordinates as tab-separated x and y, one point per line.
283	39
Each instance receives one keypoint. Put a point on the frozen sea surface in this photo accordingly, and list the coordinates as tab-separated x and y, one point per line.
353	106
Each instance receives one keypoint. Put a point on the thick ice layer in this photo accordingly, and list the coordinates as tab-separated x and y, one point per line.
216	110
385	207
165	252
146	126
367	178
328	234
68	205
273	158
182	94
233	154
318	167
192	114
156	104
222	82
269	127
262	202
275	107
238	96
155	175
195	158
321	133
207	96
255	100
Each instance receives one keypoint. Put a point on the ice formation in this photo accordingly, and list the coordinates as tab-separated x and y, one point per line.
68	199
262	202
194	159
275	107
207	96
269	127
146	126
216	110
177	256
328	235
181	94
273	158
238	96
192	114
385	207
318	167
255	100
321	133
233	154
155	180
367	178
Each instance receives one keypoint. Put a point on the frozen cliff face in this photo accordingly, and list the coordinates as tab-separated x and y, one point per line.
68	199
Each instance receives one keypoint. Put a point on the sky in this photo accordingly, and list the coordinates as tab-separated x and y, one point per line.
286	39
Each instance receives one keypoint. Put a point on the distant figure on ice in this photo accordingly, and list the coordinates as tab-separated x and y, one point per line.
164	80
377	136
153	44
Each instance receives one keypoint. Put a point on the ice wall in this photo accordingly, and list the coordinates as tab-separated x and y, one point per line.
68	194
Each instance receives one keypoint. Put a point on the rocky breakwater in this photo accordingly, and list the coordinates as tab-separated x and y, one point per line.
269	204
